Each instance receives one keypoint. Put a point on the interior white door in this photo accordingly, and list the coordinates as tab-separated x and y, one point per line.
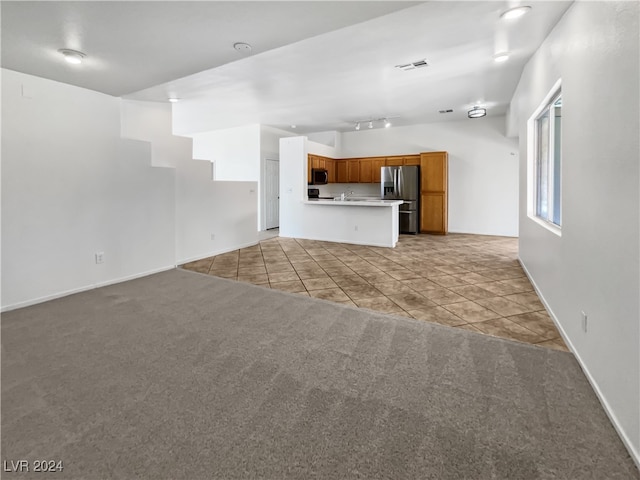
272	192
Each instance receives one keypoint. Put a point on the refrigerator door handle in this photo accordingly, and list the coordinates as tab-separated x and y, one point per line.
396	186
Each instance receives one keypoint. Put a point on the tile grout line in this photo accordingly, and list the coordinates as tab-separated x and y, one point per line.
455	253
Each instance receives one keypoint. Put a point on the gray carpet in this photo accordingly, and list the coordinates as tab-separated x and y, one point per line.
186	376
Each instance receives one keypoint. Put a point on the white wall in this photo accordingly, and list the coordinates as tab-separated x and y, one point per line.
235	152
483	167
269	149
594	266
203	207
72	187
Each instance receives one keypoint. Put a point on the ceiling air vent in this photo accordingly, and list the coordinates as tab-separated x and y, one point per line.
413	65
446	111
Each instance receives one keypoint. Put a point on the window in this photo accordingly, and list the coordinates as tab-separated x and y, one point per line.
547	160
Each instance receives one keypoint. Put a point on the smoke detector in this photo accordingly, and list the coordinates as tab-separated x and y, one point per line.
242	47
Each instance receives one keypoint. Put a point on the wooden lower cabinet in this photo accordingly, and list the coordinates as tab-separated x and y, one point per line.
433	213
434	195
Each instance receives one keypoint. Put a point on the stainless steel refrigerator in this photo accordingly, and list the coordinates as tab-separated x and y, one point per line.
403	183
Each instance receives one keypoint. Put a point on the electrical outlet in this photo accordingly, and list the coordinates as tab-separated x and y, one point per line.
99	257
584	322
213	236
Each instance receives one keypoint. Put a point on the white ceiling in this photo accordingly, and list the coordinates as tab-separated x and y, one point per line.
319	65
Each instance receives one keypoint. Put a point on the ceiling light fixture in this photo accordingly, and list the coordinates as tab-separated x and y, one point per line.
515	12
370	122
294	126
501	57
477	112
174	99
72	56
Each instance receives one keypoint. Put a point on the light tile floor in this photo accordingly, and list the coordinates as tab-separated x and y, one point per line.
464	281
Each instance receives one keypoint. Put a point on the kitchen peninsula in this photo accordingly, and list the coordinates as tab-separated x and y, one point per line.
361	222
364	222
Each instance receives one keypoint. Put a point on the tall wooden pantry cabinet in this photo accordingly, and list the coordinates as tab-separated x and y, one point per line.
433	192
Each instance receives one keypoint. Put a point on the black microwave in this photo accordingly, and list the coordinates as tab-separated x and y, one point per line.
319	176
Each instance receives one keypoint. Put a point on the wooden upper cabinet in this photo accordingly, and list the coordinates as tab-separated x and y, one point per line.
366	170
376	166
342	175
309	167
353	171
434	171
434	194
316	161
357	170
394	161
330	165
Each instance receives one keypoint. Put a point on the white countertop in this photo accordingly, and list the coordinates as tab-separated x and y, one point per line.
355	202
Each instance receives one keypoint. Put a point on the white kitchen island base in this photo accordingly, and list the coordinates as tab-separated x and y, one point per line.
373	223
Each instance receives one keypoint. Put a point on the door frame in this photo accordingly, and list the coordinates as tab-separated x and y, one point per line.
263	190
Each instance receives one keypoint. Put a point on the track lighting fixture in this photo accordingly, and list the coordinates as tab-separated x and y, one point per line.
384	121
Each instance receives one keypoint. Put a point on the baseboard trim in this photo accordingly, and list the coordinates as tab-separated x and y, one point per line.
46	298
635	456
217	252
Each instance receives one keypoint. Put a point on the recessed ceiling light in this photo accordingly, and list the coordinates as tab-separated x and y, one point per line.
515	12
174	99
477	112
72	56
501	57
293	126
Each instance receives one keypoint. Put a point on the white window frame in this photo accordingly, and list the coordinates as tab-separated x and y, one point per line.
532	164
